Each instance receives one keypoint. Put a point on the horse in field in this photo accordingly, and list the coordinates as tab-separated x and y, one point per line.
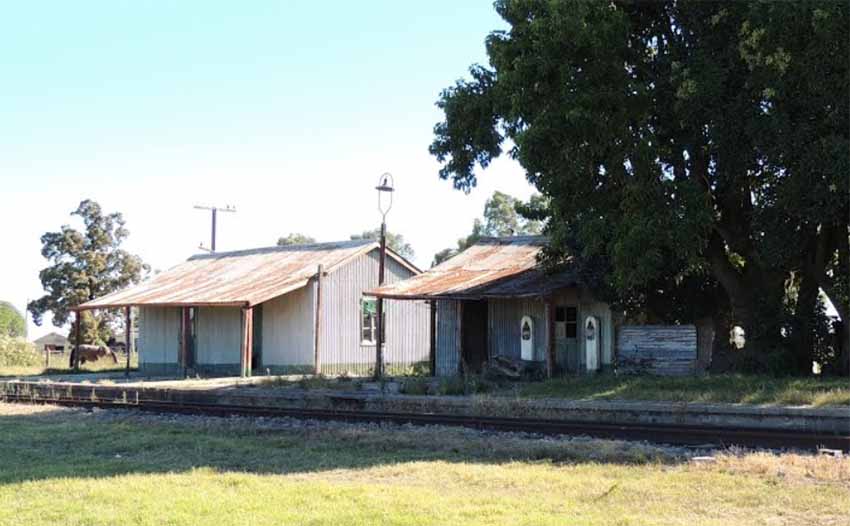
92	353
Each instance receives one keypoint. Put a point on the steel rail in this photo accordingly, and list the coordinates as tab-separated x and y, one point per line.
659	433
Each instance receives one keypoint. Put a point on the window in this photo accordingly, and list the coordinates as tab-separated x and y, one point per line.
369	322
570	320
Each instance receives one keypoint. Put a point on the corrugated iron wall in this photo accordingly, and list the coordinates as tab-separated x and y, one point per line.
407	331
448	338
288	330
159	333
505	316
218	338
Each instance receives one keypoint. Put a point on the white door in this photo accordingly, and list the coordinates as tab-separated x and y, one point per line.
591	343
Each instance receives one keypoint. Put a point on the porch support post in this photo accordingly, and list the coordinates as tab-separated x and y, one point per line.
550	337
128	338
247	337
75	356
185	324
317	358
432	350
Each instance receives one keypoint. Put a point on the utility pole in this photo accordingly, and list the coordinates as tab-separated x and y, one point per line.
215	210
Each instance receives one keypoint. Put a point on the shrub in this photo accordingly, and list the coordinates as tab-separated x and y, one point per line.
17	352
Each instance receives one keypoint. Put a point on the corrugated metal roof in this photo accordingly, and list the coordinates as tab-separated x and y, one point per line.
493	267
241	278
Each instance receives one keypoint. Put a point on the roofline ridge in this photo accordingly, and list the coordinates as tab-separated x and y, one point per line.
350	243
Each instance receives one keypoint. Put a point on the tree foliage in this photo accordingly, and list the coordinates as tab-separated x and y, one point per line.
295	238
84	265
691	151
12	323
504	215
395	242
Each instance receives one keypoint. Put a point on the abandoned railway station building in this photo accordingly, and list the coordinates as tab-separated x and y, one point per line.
493	299
279	310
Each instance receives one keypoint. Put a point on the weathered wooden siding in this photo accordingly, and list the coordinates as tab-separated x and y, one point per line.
448	338
340	346
159	337
603	313
218	338
288	329
504	323
657	349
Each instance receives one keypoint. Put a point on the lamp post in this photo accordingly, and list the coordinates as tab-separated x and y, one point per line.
385	202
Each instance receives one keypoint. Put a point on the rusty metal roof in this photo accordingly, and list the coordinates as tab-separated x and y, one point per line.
241	278
492	267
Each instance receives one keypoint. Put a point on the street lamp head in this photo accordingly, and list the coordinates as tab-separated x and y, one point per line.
385	188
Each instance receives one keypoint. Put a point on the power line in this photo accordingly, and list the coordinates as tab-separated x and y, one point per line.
215	210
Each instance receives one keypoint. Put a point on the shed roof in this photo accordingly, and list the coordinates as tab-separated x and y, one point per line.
491	268
51	338
241	278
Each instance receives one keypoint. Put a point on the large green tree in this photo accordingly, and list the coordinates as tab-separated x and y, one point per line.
84	265
12	323
690	150
504	215
395	242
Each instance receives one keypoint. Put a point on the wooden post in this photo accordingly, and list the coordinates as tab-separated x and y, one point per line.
432	352
247	337
550	338
184	339
47	356
461	366
128	338
317	358
75	356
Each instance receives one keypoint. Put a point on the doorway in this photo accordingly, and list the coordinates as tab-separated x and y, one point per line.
566	338
473	328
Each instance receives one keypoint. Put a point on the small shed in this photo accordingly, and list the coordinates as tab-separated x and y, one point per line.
282	310
494	299
54	340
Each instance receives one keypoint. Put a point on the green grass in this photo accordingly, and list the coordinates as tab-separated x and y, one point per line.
72	468
739	389
59	366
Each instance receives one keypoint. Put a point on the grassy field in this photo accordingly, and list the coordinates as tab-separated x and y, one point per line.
70	467
739	389
59	365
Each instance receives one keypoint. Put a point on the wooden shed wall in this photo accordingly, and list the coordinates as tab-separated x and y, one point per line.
657	349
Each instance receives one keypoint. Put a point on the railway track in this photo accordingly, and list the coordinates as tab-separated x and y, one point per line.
659	433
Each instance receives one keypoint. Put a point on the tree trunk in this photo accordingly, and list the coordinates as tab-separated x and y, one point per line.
813	271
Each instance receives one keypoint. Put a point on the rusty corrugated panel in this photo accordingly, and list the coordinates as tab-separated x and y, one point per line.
493	267
242	278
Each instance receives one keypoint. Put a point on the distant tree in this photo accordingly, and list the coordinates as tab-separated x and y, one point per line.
395	242
85	265
11	321
295	238
504	215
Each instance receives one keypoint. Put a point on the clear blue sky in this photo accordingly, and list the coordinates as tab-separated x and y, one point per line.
288	110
